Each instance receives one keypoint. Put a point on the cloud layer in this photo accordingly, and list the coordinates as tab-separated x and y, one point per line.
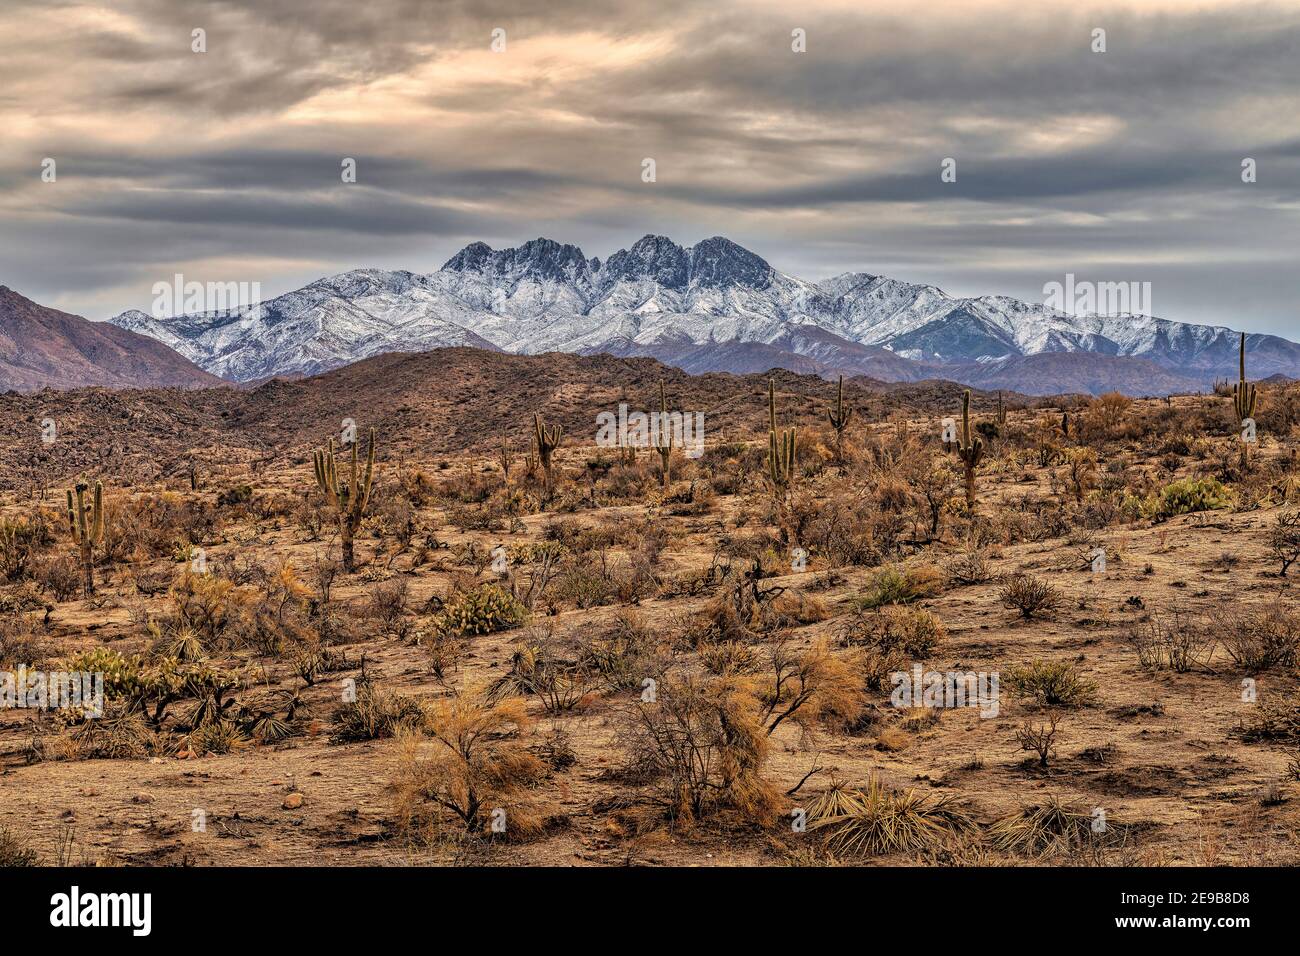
225	165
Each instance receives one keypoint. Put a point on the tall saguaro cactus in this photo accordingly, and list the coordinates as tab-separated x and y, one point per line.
839	418
1244	396
664	445
546	439
970	449
349	499
782	453
86	523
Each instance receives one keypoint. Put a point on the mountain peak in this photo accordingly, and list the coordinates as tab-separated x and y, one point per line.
719	262
651	257
539	258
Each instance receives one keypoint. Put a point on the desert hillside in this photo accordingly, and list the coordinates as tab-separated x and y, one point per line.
549	652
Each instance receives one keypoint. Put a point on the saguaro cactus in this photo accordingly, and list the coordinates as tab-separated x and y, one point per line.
546	440
86	523
970	449
781	449
839	418
664	446
1244	396
348	499
1001	417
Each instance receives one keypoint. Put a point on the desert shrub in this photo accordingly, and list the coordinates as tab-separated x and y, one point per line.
1040	738
1274	721
624	654
14	850
469	765
388	606
584	586
1051	684
875	821
1284	539
21	542
913	633
893	584
1260	640
1029	596
698	747
122	733
207	604
546	667
843	533
235	495
809	687
58	575
1173	639
375	714
1103	418
485	609
729	657
969	566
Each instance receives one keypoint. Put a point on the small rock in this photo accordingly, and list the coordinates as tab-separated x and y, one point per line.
292	802
143	797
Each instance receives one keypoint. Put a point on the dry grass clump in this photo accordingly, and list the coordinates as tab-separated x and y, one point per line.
698	748
874	821
470	769
374	715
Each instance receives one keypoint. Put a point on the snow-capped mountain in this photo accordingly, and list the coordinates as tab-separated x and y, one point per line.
332	322
714	306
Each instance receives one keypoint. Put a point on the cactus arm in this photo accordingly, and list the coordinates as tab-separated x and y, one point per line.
97	521
370	473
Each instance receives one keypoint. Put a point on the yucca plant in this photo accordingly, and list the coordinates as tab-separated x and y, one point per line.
878	821
1052	824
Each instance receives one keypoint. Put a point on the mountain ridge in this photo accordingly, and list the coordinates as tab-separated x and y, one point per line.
713	306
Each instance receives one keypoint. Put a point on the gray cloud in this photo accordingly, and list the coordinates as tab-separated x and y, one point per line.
1122	165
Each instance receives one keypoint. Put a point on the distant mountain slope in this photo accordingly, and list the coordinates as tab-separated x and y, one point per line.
42	347
711	306
423	405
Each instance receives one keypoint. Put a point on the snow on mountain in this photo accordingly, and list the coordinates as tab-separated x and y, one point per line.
712	305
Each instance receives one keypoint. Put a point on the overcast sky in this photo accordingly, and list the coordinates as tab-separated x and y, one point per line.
1123	165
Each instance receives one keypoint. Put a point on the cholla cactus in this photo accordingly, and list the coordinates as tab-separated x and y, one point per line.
664	445
86	524
349	500
1244	396
545	441
970	449
839	417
